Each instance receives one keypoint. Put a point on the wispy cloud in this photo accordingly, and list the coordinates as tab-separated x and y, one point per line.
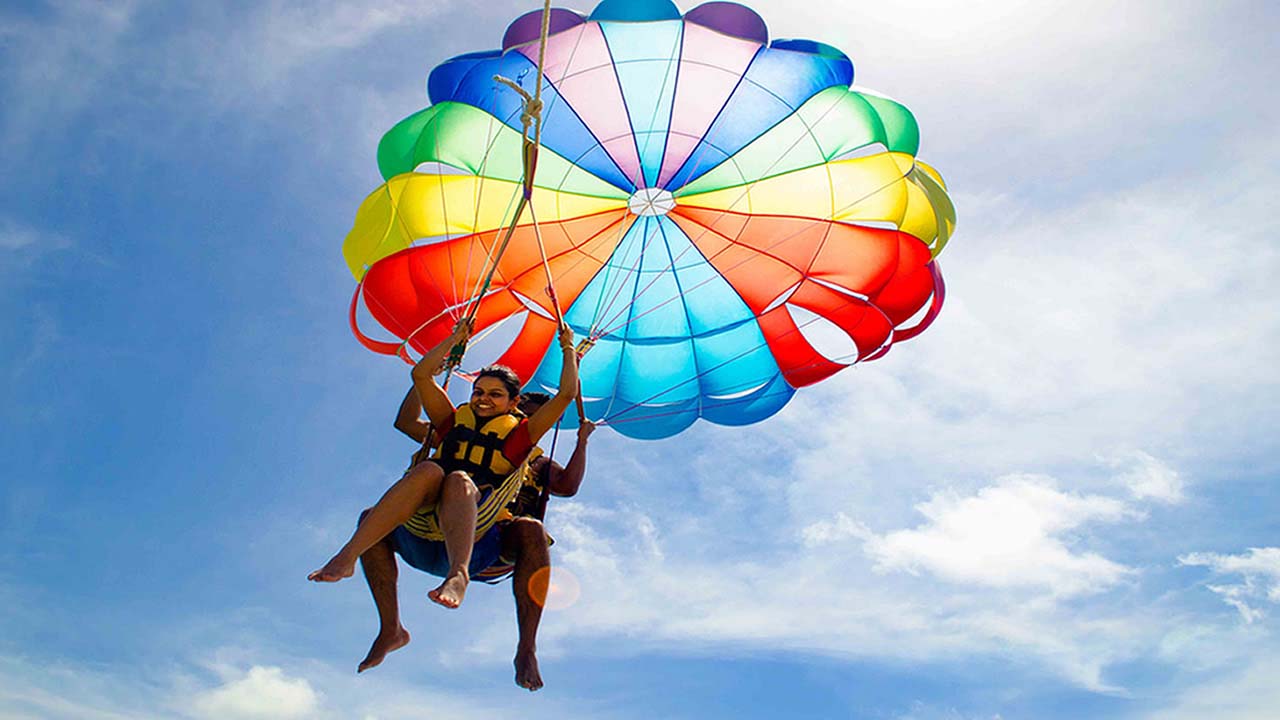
59	67
31	690
1246	692
1259	569
21	245
208	689
925	711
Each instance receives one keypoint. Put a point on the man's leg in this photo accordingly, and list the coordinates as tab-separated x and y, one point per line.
526	542
420	486
457	513
380	571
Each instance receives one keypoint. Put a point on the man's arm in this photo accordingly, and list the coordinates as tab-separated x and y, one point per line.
549	414
565	481
409	420
433	397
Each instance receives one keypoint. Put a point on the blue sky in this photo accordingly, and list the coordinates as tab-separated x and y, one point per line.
1058	503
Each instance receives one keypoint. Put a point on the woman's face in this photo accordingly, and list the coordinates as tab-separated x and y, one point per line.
489	397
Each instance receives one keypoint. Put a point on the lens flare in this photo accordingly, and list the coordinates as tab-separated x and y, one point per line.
554	590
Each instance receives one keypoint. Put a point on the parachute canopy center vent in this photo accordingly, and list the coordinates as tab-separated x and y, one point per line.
650	202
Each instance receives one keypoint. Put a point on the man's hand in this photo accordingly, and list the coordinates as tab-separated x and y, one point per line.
585	428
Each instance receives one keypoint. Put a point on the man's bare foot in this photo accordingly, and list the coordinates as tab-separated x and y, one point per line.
451	591
339	568
527	675
382	645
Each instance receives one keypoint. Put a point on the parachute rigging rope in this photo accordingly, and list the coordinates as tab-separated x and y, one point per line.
530	116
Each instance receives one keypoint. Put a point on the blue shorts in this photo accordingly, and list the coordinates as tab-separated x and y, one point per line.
430	556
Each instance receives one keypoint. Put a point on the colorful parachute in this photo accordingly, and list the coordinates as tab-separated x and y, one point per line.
706	200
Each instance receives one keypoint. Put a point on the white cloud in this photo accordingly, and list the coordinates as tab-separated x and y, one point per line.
15	237
287	34
262	693
32	689
1141	319
1147	478
1011	88
59	65
61	691
21	244
823	599
255	58
1260	572
1008	535
1246	692
926	711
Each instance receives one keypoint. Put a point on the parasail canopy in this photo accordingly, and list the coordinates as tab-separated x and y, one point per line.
708	204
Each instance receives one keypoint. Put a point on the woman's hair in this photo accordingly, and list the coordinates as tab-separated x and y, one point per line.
503	374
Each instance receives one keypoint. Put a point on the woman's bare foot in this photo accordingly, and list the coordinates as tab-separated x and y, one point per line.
527	675
383	644
451	591
338	568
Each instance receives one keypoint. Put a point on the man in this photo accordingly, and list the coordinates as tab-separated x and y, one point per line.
525	544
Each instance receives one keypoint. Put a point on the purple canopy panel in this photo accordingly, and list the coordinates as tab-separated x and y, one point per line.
528	27
731	19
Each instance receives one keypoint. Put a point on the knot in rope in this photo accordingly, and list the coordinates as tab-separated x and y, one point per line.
531	110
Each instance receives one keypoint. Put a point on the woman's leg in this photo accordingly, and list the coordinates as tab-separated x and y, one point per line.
420	486
457	512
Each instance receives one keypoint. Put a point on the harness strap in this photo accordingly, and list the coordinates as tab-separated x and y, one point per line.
493	510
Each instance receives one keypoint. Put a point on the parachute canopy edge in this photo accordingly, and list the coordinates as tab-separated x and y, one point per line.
635	11
528	27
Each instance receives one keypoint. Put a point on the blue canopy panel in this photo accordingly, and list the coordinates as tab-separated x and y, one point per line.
780	79
469	79
679	343
646	58
636	10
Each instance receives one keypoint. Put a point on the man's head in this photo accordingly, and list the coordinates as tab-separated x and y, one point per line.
531	401
495	392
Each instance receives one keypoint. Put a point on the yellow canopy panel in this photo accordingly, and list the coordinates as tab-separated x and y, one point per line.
415	206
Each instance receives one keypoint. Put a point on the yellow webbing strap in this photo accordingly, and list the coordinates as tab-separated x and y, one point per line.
426	522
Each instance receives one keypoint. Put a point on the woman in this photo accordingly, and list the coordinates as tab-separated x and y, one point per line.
478	441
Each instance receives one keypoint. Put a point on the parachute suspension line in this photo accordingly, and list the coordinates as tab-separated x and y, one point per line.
609	324
401	349
535	108
606	306
477	202
530	118
697	378
586	343
546	487
607	282
533	112
835	211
